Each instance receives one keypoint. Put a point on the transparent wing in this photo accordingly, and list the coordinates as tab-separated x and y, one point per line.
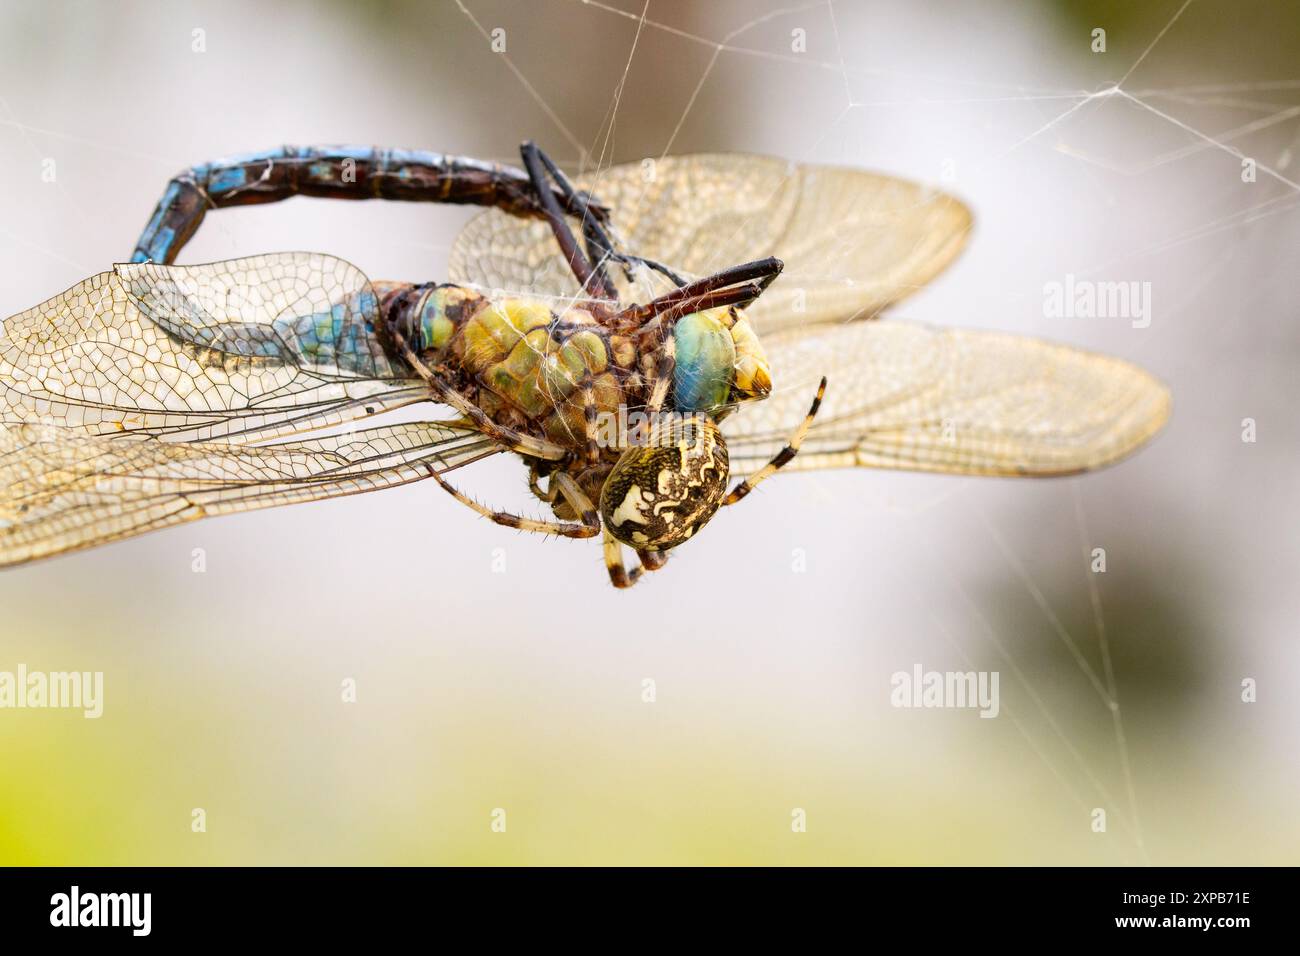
63	489
853	242
946	400
245	349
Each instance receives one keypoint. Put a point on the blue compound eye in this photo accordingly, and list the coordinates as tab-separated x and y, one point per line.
706	362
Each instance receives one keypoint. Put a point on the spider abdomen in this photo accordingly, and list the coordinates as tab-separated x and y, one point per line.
658	495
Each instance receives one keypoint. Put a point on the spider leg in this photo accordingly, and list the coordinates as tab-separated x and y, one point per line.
534	485
588	528
619	575
652	560
782	457
589	419
663	377
514	440
577	498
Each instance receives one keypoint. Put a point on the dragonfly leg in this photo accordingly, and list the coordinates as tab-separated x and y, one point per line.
735	285
592	279
782	457
601	248
342	172
589	527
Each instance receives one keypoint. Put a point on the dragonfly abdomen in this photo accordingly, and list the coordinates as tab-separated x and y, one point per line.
334	172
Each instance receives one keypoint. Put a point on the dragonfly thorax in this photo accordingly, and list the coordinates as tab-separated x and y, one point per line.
530	363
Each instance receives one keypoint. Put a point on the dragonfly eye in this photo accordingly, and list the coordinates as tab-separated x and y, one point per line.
659	494
719	361
705	363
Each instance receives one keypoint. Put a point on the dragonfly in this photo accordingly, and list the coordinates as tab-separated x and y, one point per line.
632	337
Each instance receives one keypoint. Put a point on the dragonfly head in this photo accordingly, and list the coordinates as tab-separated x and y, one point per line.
753	374
719	361
661	492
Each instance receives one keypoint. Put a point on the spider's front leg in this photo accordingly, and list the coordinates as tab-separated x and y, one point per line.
343	172
784	456
588	527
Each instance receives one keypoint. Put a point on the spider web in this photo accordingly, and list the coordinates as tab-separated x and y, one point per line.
1058	110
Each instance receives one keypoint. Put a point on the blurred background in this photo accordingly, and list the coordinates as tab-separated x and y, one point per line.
496	671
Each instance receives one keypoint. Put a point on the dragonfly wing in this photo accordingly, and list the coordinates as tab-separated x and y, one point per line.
947	400
500	252
853	242
244	349
63	489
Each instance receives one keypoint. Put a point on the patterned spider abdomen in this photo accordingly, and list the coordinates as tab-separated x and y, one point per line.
659	495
